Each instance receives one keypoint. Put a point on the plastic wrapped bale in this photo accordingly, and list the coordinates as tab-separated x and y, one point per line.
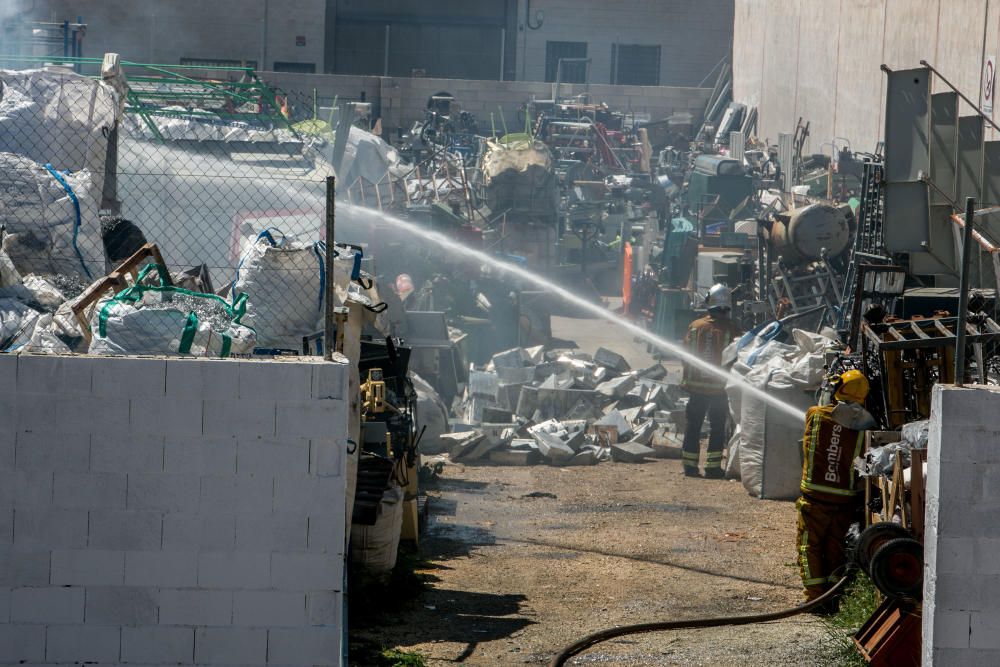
375	547
519	176
770	451
58	117
43	339
51	218
170	321
770	447
17	322
284	280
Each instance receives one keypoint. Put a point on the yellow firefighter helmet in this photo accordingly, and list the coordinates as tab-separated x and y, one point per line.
853	386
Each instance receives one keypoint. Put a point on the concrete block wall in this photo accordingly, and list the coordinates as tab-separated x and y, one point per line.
402	101
961	616
171	511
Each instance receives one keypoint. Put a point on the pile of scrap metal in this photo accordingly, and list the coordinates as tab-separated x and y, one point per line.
563	407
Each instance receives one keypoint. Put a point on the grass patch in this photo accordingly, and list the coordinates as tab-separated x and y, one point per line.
856	605
368	653
372	600
394	658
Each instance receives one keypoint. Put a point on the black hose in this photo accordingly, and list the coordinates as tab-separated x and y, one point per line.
604	635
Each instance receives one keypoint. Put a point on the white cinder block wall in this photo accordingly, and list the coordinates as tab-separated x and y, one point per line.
171	511
961	616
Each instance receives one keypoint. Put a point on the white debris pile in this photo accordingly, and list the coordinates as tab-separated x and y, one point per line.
564	407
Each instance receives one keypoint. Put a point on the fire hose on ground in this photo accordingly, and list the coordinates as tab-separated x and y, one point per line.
885	551
583	644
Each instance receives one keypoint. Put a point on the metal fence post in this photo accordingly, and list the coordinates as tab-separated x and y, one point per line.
328	328
963	293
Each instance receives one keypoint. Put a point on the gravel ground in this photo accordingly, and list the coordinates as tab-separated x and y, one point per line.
517	576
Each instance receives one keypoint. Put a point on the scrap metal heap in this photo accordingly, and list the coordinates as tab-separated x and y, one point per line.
563	407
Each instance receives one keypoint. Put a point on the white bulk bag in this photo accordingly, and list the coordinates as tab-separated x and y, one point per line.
284	280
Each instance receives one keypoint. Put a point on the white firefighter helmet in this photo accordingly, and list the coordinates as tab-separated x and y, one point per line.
719	297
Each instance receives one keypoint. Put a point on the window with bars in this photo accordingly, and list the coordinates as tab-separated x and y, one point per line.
635	64
572	72
296	68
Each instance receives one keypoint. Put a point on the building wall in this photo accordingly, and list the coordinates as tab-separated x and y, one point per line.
402	101
820	61
171	511
164	31
436	37
961	614
693	36
468	39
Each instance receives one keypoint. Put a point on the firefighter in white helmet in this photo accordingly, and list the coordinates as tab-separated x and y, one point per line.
706	339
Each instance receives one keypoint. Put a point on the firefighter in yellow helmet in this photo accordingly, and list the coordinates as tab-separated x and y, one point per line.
831	494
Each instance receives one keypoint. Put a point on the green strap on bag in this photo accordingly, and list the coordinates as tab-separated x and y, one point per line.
134	293
187	338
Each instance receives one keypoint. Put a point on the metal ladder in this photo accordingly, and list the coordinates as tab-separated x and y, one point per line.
868	240
806	291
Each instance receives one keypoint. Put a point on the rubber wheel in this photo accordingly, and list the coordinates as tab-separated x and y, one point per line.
897	568
873	537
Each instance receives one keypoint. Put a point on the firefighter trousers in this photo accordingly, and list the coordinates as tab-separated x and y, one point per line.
716	406
822	527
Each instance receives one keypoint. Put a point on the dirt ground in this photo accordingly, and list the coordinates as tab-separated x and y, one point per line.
520	576
524	560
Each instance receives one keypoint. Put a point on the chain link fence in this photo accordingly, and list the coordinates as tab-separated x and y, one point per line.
160	213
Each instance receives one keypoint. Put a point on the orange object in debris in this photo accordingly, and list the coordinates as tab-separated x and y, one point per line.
627	278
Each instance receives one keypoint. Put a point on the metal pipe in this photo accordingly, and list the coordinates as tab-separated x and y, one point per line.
503	50
972	104
330	292
262	65
963	293
385	57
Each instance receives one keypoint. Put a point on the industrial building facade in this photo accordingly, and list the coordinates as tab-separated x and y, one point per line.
634	42
819	61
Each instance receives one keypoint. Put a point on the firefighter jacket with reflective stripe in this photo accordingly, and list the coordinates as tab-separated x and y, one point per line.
829	450
706	339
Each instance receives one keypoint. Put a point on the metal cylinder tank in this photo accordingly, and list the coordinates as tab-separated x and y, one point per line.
803	234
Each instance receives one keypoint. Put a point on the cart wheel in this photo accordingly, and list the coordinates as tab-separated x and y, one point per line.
872	538
897	568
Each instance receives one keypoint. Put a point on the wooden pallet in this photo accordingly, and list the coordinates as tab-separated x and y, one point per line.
891	637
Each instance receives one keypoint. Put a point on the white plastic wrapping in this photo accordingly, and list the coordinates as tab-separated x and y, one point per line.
44	339
17	322
204	125
57	117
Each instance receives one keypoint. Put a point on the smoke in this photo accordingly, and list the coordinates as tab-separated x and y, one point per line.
14	8
13	38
